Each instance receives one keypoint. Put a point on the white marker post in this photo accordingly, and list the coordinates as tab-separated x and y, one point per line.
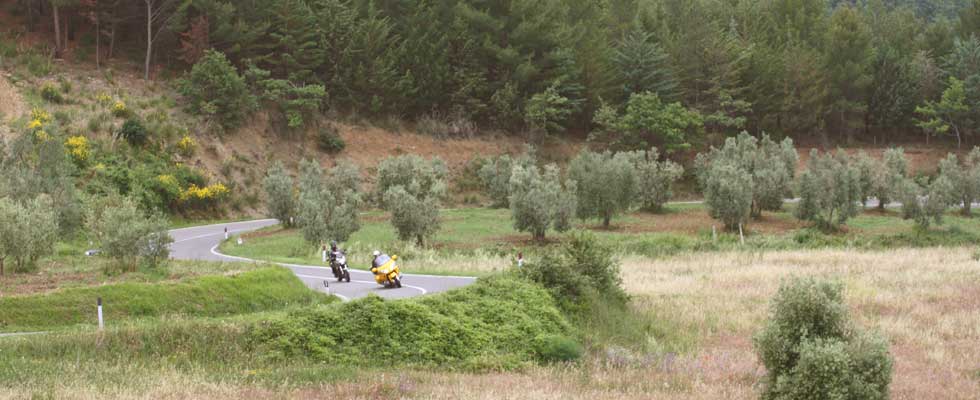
101	323
226	233
741	236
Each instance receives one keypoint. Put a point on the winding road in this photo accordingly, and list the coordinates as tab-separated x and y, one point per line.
201	243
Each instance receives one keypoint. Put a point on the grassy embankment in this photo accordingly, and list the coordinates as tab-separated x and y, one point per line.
481	241
207	296
499	323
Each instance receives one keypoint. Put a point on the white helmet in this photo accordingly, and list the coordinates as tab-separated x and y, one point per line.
376	253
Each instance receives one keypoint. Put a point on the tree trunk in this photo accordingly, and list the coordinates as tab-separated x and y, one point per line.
57	32
98	37
539	236
1	267
149	39
967	204
112	39
420	240
605	221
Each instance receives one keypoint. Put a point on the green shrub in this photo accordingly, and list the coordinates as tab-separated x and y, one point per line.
812	350
493	323
579	273
134	132
27	231
50	93
215	89
926	205
329	140
965	178
557	348
647	120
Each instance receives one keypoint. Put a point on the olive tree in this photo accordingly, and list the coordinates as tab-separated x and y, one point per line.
964	178
126	234
495	176
926	204
327	209
27	231
728	194
654	179
769	165
538	202
606	184
887	176
413	189
829	190
280	193
865	167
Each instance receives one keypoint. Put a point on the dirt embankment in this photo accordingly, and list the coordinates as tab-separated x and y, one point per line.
12	105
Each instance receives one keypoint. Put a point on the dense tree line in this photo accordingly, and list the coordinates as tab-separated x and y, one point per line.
829	69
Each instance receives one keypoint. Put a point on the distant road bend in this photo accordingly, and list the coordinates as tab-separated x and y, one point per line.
201	243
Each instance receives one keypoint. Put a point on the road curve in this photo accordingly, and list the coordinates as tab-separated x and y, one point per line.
201	243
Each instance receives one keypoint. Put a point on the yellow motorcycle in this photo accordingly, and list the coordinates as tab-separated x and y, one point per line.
386	271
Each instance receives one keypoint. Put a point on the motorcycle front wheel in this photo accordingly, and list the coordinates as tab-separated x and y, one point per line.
398	282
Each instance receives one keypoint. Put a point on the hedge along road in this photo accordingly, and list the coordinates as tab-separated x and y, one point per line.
201	243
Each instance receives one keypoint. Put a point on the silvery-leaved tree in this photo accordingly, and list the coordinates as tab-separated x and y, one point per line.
830	190
964	178
926	204
127	234
728	194
28	231
539	202
412	189
606	184
328	206
654	179
280	193
887	176
769	165
495	175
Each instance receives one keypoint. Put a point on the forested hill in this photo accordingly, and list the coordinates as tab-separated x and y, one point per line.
631	72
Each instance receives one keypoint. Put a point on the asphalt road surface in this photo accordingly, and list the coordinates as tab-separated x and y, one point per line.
201	243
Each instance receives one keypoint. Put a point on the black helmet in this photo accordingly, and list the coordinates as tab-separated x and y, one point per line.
333	245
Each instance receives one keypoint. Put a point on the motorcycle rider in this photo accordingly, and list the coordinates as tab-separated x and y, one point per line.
334	251
379	259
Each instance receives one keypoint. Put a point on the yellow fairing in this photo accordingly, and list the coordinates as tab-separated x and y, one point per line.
387	272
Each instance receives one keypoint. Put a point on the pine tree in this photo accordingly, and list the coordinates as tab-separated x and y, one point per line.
642	66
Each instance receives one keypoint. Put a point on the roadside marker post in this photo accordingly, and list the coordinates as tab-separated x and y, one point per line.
101	323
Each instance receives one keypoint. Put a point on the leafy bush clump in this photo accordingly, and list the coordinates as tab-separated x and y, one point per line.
329	140
50	93
494	323
579	273
134	132
557	348
412	189
539	202
495	175
813	351
127	235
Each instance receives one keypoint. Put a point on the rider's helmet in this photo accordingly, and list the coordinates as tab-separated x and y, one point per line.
376	253
333	245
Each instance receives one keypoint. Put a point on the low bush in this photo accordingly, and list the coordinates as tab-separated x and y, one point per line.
210	296
812	349
557	348
134	132
51	93
328	140
495	323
